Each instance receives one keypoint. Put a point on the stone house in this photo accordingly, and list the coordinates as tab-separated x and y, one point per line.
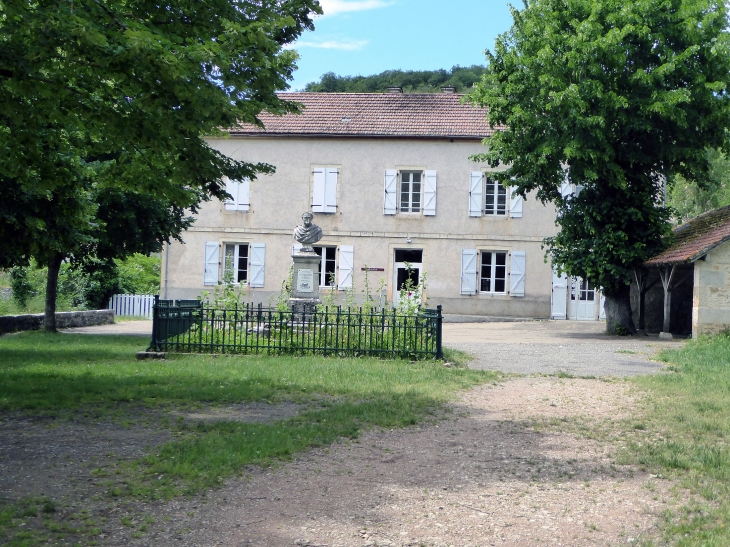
686	289
389	180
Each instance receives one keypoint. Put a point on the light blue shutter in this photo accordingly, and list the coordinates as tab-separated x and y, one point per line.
243	201
469	271
515	203
347	265
210	277
232	189
391	192
256	263
330	190
318	190
476	195
429	193
517	274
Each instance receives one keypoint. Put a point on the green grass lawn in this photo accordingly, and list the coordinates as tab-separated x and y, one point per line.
685	435
98	376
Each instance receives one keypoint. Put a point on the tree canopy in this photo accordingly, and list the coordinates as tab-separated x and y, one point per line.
617	97
412	81
118	95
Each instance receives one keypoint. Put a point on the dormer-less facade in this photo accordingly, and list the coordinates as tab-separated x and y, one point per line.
389	180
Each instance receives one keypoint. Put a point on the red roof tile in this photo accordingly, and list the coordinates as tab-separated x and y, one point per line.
376	115
696	237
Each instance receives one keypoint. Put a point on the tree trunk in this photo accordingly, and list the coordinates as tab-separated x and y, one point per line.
619	319
54	265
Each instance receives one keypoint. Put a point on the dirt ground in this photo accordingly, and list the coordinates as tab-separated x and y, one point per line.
485	476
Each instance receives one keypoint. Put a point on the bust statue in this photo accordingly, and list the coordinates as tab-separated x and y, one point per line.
307	233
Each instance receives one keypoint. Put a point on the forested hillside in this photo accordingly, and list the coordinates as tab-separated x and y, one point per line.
412	81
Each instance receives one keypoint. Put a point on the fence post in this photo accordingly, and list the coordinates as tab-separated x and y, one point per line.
155	325
439	329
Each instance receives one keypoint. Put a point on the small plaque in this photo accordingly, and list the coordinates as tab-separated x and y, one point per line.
305	281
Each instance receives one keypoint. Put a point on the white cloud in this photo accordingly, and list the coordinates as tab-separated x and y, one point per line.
333	7
347	45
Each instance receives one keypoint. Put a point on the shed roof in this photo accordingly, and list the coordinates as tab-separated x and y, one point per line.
695	238
416	115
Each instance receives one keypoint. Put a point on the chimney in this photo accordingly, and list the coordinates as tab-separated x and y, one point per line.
394	89
448	89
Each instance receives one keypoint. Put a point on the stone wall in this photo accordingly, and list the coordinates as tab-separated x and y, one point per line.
64	320
711	312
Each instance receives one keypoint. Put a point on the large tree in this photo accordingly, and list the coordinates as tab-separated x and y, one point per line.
617	96
119	95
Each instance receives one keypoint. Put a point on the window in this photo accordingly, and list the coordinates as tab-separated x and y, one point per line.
496	197
410	192
493	273
489	197
240	193
324	190
328	266
235	258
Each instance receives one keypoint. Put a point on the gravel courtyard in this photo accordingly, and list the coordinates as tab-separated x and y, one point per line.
488	475
579	348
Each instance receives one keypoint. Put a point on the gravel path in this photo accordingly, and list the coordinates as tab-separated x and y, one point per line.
550	347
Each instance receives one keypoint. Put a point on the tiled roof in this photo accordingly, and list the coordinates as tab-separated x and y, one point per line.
696	237
376	115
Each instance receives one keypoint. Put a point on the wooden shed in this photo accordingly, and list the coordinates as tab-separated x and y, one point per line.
686	289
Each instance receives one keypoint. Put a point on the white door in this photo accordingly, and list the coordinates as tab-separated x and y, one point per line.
583	301
559	296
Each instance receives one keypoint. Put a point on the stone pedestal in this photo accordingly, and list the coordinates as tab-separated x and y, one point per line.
305	284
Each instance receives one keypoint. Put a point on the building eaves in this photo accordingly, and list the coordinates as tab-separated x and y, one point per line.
375	115
695	238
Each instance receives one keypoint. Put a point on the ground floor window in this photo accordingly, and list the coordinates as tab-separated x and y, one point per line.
235	258
328	266
493	275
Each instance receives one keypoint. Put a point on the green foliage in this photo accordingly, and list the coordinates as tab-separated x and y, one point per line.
412	81
21	286
688	198
684	434
98	375
78	289
104	110
622	94
139	274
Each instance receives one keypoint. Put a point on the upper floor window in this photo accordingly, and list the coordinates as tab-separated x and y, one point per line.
240	192
324	189
496	197
409	191
489	197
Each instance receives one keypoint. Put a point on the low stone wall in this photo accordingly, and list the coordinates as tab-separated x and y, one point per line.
64	320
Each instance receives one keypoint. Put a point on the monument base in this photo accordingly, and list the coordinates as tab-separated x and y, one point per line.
303	308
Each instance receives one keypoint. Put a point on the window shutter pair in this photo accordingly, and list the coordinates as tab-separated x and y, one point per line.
240	192
324	193
390	195
469	269
476	197
256	260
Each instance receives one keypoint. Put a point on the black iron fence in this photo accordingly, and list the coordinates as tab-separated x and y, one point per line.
186	326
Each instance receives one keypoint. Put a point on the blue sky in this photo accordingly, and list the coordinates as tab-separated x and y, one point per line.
369	36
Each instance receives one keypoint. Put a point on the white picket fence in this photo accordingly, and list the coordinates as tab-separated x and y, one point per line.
132	305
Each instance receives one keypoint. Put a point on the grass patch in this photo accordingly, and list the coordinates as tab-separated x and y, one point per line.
97	375
685	434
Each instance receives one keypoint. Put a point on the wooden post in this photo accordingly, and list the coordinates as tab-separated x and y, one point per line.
667	275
